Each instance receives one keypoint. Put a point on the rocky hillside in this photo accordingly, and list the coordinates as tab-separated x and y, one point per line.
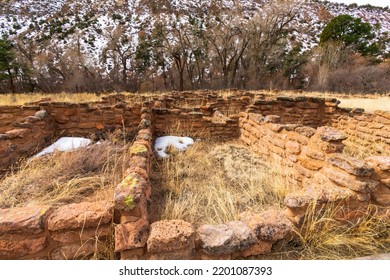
104	34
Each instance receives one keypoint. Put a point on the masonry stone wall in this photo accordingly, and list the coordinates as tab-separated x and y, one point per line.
369	132
304	136
26	129
11	114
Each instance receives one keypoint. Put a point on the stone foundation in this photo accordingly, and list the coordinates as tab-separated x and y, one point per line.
304	136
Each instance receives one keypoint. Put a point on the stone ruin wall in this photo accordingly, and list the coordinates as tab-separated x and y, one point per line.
35	127
307	151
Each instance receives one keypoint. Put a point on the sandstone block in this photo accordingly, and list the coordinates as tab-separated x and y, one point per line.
305	131
382	195
171	236
313	153
330	134
225	239
26	220
271	225
310	163
130	192
12	250
82	235
350	165
80	215
260	248
293	147
131	236
359	184
381	163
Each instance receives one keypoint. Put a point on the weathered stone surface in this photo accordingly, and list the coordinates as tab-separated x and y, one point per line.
272	119
310	163
82	235
131	235
379	162
80	215
305	131
225	239
323	192
359	184
260	248
170	236
293	147
313	153
138	149
26	220
134	254
130	192
42	114
352	166
271	225
330	134
257	118
12	250
382	195
17	133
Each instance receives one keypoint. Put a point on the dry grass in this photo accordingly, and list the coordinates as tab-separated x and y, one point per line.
88	174
20	99
362	152
213	183
324	236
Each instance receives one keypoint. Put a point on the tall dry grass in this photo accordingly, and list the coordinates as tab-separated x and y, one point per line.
87	174
325	236
213	183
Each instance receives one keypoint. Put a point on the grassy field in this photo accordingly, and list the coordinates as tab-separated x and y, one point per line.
88	174
213	183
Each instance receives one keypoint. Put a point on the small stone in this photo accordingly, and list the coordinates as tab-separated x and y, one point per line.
42	114
330	134
272	119
305	131
171	236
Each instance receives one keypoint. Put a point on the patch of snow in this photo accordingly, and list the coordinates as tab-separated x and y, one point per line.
65	144
180	143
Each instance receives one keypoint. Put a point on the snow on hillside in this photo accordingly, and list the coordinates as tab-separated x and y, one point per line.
90	25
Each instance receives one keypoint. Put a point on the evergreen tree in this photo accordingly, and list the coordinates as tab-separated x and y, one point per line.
350	32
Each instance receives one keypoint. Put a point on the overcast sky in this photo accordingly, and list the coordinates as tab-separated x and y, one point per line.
380	3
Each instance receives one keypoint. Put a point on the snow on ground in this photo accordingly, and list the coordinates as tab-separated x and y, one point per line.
180	143
65	144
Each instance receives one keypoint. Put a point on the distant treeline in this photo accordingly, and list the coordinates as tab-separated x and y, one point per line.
218	49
